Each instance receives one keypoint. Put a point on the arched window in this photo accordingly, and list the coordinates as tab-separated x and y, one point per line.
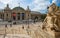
23	16
1	15
18	16
14	16
7	15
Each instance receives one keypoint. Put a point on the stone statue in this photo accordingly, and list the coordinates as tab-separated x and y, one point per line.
51	23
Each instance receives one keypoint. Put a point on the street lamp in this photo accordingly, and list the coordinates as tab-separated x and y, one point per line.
28	20
5	30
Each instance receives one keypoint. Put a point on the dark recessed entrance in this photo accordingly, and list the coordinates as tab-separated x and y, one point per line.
36	17
23	16
14	16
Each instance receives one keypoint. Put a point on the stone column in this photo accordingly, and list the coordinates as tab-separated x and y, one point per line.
0	15
11	17
26	15
29	16
16	16
20	16
4	16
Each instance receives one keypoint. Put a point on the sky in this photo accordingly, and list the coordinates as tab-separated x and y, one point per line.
34	5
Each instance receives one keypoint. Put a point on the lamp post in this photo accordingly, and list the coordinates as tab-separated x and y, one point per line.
5	30
28	25
28	20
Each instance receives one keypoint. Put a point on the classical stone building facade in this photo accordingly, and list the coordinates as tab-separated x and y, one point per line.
18	13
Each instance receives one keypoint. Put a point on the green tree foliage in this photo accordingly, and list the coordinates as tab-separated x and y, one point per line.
43	16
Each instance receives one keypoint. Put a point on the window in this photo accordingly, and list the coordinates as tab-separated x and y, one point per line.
23	16
18	17
18	14
14	16
1	15
7	15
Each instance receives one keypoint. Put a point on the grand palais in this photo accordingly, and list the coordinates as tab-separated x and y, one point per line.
18	13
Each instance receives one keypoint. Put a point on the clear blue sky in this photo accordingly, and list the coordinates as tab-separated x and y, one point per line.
35	5
56	1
